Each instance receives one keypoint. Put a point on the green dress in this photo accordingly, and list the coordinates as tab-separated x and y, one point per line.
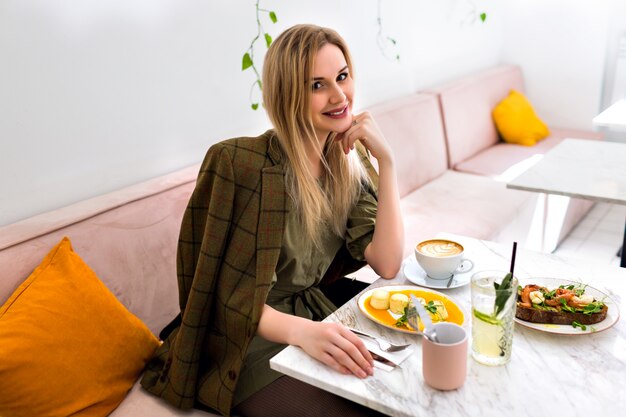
295	289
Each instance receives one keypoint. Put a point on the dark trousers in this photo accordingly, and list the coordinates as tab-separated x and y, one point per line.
289	397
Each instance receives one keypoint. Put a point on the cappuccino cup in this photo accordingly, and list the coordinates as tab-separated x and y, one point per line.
441	258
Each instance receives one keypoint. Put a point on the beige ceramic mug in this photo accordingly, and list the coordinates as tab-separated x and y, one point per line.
441	258
444	364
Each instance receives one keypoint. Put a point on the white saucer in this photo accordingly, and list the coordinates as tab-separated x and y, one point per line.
414	273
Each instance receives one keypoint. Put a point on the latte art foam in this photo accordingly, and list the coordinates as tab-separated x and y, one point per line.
440	248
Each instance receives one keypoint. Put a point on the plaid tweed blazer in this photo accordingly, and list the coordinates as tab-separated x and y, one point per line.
228	249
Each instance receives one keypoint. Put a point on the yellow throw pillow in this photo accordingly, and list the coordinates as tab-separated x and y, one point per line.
67	345
517	122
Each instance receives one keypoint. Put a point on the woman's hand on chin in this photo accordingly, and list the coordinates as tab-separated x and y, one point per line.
365	129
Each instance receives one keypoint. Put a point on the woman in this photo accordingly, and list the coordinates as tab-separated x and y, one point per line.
271	219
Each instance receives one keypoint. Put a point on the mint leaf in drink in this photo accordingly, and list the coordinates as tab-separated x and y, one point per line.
503	292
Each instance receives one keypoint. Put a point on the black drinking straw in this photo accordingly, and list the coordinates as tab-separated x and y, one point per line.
513	257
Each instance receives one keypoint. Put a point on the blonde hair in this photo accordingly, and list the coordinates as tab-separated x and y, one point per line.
287	76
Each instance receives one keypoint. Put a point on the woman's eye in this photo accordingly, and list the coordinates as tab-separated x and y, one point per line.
316	85
342	76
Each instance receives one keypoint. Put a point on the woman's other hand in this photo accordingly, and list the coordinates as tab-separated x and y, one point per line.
335	346
329	343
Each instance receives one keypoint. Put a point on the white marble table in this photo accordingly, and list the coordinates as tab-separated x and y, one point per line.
548	374
588	169
613	116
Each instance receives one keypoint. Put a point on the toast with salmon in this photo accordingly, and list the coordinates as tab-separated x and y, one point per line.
567	304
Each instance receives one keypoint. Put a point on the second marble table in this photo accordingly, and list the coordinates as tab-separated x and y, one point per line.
588	169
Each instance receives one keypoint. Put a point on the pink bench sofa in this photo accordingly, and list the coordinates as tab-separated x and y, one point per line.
448	157
475	147
453	166
128	238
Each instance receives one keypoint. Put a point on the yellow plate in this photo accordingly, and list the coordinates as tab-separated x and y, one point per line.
388	319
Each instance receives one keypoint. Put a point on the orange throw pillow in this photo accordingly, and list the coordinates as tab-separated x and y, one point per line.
67	345
517	122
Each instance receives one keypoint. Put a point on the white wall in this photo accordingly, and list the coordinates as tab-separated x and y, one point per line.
99	94
615	73
561	46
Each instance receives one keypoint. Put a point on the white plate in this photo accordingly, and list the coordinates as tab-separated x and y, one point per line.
611	317
414	273
428	295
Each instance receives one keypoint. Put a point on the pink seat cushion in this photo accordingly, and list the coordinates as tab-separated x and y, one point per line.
140	403
506	161
460	203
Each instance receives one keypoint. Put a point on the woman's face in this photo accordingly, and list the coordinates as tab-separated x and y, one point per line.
332	90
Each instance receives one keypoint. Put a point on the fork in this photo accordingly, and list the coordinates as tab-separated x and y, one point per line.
384	345
413	314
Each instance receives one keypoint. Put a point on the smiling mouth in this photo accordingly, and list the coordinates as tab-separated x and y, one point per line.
337	113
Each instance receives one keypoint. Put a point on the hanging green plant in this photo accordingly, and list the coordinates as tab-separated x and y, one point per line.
248	57
386	44
473	14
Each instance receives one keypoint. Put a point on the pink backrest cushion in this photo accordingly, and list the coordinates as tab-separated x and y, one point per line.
413	128
466	106
128	237
507	160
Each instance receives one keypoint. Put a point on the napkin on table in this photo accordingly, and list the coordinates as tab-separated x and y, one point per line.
395	357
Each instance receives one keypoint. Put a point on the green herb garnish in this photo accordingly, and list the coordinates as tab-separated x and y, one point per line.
549	294
403	320
431	307
594	307
579	291
576	324
565	307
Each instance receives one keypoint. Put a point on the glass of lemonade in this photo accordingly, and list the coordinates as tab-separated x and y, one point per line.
493	311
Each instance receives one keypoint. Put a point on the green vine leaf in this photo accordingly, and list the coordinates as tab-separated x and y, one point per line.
246	62
386	44
248	58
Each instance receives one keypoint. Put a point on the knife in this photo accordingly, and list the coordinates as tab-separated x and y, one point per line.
382	360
